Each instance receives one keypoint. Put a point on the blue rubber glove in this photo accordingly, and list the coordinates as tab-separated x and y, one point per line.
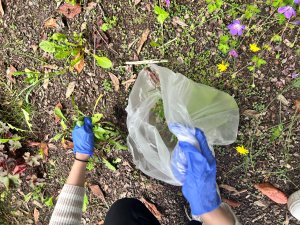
198	175
83	138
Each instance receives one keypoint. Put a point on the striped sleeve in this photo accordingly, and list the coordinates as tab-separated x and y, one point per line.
68	209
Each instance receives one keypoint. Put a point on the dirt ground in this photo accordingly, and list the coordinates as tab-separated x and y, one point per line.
193	53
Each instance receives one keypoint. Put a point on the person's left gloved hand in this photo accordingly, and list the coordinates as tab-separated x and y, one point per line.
83	138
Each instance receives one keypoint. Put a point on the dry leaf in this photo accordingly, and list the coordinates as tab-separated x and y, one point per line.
58	105
251	113
90	6
228	188
97	192
19	169
130	81
70	89
1	9
231	203
282	99
177	21
136	2
272	192
115	81
67	144
46	83
36	215
297	104
45	150
9	73
52	146
50	23
70	11
143	39
33	144
287	220
79	66
261	204
152	208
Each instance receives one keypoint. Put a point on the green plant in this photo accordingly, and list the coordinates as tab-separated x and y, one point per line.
107	86
109	23
162	15
226	44
214	5
251	11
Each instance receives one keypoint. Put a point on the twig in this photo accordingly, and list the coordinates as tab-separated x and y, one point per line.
150	61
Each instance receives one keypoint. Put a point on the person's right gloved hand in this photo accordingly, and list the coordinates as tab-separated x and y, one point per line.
198	175
83	138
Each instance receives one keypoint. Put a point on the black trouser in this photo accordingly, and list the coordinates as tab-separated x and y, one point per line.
130	211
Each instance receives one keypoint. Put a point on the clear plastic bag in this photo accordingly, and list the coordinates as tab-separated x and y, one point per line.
184	102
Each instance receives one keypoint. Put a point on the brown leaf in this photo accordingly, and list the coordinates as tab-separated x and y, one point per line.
33	144
232	203
261	203
272	192
143	39
36	215
70	11
45	150
67	144
136	2
58	105
101	222
70	89
282	99
130	81
90	6
19	169
50	23
115	81
97	192
10	72
1	9
228	188
152	208
80	65
251	113
177	21
297	104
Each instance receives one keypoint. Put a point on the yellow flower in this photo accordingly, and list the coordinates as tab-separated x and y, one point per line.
242	150
222	67
254	48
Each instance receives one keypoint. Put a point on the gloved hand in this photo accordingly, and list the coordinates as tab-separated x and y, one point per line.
83	138
197	172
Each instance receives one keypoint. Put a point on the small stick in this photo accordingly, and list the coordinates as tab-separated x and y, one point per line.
146	62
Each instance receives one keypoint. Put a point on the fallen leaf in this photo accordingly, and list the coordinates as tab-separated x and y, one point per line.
152	208
19	169
67	144
272	192
261	203
115	81
287	220
33	144
128	82
1	9
36	215
9	73
69	11
232	203
52	146
282	99
59	106
80	65
50	23
251	113
136	2
297	104
70	89
45	150
229	188
143	39
90	6
101	222
97	192
177	21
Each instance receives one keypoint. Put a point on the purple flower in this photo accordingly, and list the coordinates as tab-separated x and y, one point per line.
233	53
168	3
236	28
297	22
288	11
297	1
295	75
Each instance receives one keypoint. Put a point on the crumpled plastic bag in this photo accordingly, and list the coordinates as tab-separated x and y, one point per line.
184	102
